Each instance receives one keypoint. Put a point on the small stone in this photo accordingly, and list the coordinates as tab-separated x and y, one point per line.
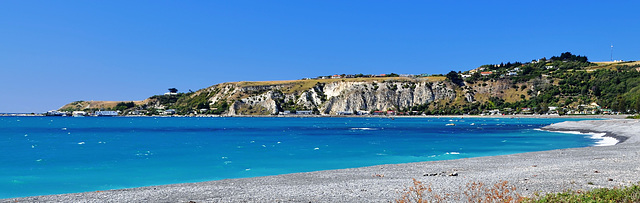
610	179
453	174
596	171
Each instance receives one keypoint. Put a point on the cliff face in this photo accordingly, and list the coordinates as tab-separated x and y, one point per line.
350	96
326	96
329	97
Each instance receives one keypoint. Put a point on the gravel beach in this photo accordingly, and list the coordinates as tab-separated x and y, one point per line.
547	171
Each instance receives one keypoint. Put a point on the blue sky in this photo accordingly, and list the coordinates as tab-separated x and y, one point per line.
56	52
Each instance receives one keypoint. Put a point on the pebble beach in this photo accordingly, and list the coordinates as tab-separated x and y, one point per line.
534	172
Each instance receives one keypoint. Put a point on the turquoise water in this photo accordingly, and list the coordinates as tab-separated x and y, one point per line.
52	155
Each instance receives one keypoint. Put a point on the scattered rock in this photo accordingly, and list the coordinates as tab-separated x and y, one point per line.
453	174
596	171
610	179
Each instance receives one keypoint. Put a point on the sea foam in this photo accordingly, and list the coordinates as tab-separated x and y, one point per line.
602	139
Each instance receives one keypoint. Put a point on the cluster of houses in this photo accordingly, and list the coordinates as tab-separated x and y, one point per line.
512	72
82	113
336	76
295	113
582	109
139	112
108	113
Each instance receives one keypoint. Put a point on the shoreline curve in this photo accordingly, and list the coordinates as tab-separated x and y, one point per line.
542	172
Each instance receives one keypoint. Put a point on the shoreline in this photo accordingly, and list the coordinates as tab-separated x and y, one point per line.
590	116
546	171
619	139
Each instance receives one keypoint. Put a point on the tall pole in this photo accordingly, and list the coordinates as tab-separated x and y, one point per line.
611	52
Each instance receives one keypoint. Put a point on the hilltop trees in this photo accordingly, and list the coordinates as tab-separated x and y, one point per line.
124	105
455	78
567	56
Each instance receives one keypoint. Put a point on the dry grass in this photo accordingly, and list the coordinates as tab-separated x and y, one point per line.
612	65
97	104
473	192
420	193
499	192
296	86
481	97
246	109
513	95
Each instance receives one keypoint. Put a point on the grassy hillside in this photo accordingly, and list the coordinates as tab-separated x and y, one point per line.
568	83
95	105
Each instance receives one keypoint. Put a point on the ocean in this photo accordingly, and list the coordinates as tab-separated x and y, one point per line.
54	155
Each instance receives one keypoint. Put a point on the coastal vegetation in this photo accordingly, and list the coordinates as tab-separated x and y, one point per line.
634	117
622	194
502	191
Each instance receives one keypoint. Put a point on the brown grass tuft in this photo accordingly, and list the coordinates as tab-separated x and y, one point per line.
474	192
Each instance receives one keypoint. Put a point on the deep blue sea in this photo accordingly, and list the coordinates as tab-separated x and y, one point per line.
52	155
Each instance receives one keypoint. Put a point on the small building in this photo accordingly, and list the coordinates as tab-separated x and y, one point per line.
465	76
378	113
170	112
336	77
105	113
512	74
138	112
526	110
56	113
494	112
172	92
79	114
363	113
344	113
486	73
304	112
549	67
